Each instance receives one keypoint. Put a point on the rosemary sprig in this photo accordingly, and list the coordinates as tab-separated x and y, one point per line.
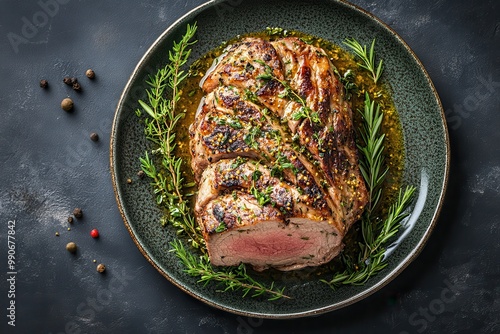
233	278
376	232
367	56
164	168
372	165
371	260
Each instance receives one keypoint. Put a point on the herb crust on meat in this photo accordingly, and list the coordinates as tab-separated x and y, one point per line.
274	153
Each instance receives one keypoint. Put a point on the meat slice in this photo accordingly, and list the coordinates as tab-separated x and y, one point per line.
238	229
253	66
257	179
274	154
330	140
242	64
227	126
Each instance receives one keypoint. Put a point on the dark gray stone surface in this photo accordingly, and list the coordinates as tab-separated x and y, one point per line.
49	166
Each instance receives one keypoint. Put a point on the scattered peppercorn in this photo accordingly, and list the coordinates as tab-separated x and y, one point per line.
67	104
71	247
74	80
68	81
44	83
140	174
90	74
94	233
70	220
77	87
78	213
129	181
94	136
101	267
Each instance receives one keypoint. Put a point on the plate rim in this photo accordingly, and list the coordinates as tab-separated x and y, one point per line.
404	263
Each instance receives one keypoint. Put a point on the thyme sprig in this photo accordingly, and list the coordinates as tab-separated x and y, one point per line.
376	232
177	207
367	56
164	168
168	182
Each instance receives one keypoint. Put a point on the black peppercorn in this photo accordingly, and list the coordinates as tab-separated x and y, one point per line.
44	83
78	213
140	174
94	136
70	220
77	87
67	81
101	267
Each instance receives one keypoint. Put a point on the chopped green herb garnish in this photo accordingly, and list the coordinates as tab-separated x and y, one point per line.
221	228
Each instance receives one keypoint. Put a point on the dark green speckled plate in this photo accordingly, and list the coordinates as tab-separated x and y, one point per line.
425	133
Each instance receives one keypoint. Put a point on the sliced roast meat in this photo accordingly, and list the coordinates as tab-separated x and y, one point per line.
227	126
274	153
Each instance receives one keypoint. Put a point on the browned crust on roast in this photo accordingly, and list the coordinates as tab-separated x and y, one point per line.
249	114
